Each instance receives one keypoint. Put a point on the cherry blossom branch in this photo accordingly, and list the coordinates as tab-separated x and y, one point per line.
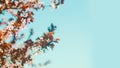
15	57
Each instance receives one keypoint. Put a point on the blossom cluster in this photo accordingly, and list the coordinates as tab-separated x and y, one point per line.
21	10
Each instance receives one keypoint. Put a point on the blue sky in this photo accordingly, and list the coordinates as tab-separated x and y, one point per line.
89	32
